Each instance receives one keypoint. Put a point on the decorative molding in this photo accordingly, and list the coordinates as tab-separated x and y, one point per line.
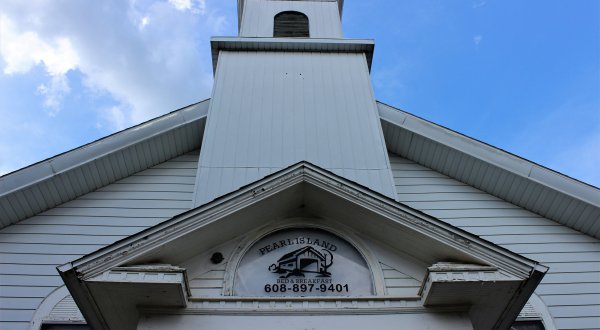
364	306
128	249
145	274
46	306
323	45
423	223
540	307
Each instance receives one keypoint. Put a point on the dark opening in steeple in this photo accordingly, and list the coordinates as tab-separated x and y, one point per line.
291	24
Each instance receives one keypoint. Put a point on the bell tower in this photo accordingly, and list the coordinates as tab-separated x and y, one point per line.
290	88
258	18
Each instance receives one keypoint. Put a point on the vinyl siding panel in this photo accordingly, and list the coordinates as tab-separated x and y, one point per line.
291	107
508	177
571	289
209	284
399	284
31	249
55	181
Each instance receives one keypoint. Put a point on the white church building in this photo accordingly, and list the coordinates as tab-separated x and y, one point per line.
292	199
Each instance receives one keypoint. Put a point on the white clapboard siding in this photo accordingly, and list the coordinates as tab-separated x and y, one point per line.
289	110
571	289
399	284
209	284
31	249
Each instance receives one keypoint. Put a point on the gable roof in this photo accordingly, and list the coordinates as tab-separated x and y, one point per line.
306	189
497	172
41	186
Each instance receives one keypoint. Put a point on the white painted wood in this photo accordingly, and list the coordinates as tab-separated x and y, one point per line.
291	107
571	289
60	179
446	321
324	17
398	283
511	178
210	283
58	305
31	250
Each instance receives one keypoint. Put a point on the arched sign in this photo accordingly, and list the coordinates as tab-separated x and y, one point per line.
302	262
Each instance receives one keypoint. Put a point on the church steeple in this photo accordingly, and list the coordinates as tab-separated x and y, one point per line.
257	18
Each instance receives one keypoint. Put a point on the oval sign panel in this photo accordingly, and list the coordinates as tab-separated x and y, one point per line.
302	263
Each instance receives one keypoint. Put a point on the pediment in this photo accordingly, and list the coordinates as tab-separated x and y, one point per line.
190	262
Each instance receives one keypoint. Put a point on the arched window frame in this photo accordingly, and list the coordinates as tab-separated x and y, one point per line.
298	223
291	24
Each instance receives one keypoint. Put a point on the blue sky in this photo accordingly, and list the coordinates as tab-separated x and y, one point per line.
523	76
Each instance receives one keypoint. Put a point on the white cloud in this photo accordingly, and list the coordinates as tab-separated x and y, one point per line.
477	39
149	58
22	51
136	59
54	92
181	4
115	117
196	6
144	21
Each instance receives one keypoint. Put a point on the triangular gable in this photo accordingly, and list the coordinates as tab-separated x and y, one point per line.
459	262
497	172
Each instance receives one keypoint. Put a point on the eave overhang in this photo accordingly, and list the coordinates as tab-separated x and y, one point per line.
495	171
115	295
366	46
62	178
313	189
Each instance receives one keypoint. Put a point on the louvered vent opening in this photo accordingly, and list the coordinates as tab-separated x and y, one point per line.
527	325
291	24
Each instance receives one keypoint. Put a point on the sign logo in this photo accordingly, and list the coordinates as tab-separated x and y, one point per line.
302	261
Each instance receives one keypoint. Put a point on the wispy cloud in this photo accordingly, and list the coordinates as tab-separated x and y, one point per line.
150	60
22	50
477	40
143	58
115	117
54	92
195	6
479	4
143	22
